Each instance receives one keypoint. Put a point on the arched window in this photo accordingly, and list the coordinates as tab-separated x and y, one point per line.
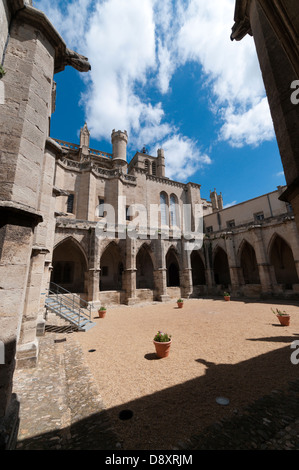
164	209
70	204
154	168
173	211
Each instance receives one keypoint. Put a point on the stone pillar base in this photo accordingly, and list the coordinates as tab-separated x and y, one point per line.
9	425
131	301
163	298
27	355
40	327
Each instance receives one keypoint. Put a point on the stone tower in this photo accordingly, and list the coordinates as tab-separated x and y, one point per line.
161	163
119	141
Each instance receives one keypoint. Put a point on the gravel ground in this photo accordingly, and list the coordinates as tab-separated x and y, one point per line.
236	350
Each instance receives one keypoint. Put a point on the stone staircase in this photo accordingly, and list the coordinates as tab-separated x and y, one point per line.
69	306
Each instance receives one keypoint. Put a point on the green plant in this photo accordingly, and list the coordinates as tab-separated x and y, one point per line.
279	312
2	71
102	308
226	294
180	300
162	337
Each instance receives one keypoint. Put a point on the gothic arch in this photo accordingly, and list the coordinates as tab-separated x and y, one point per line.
76	243
173	268
248	263
164	209
282	259
112	267
221	267
144	268
69	265
198	268
174	211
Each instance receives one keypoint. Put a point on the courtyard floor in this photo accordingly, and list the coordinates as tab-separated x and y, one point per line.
236	350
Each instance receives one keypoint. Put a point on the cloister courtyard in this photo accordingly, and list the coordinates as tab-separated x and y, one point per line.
237	350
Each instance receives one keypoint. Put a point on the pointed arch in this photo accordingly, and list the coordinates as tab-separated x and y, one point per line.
282	259
248	263
76	243
69	265
173	268
174	211
221	267
112	267
164	209
144	268
198	269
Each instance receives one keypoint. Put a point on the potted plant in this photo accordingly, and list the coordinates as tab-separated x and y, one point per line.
102	312
180	303
226	296
162	342
282	316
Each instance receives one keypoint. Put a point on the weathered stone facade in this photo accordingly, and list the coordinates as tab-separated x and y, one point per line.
274	25
250	249
120	267
31	52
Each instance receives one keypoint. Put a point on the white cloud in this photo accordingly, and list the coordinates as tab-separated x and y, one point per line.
182	157
231	69
69	18
135	45
229	204
251	127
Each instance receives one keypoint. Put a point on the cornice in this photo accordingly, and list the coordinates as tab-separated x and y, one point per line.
27	14
242	22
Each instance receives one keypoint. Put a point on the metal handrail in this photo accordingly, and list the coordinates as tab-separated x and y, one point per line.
63	296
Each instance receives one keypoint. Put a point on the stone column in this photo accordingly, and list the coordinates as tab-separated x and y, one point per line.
263	265
129	276
209	274
232	263
160	274
186	272
93	287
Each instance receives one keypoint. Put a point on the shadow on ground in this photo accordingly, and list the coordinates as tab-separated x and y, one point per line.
263	395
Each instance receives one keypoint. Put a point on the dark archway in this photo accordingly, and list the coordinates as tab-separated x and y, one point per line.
281	257
145	269
69	266
221	268
111	268
249	264
198	269
173	269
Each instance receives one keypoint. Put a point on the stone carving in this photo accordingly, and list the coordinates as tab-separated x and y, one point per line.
78	61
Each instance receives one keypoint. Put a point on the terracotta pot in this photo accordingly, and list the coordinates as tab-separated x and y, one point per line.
284	319
102	313
227	298
180	304
162	349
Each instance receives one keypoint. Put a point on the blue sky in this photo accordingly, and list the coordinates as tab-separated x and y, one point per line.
168	73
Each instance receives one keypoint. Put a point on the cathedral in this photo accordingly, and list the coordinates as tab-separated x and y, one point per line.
250	249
